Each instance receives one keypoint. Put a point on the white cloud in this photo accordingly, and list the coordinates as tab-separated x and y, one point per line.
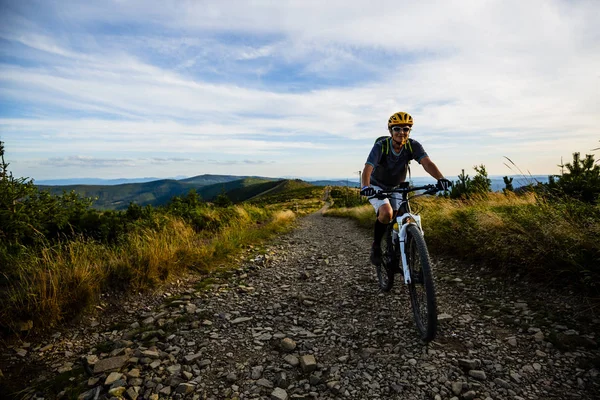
486	79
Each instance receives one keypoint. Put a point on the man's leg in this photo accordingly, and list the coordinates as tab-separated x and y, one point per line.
384	216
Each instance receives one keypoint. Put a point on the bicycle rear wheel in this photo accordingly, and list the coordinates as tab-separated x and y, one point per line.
421	288
385	275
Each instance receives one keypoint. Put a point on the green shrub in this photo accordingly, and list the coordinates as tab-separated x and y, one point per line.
346	197
467	187
581	181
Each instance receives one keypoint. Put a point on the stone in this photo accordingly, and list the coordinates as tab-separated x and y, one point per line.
231	377
131	394
539	336
190	308
151	354
512	341
469	364
265	383
515	377
443	317
502	383
281	380
190	358
185	388
288	345
257	372
477	374
110	364
174	369
308	363
112	377
279	394
166	390
333	386
134	373
239	320
470	395
89	395
292	360
117	392
457	387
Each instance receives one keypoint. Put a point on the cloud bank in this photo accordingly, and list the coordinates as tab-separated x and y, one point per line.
294	88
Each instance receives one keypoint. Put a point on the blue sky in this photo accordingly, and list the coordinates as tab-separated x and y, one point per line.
115	89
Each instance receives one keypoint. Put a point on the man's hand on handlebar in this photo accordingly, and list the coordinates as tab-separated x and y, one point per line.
367	191
443	184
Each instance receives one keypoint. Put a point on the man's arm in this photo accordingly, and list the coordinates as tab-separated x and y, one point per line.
431	168
366	175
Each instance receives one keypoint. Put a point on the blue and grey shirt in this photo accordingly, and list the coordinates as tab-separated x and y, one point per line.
389	167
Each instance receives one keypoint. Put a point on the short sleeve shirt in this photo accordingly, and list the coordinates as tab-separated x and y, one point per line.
389	167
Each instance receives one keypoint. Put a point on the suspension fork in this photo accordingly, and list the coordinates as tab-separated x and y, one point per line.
411	219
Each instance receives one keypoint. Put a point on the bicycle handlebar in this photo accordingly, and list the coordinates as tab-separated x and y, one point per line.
382	194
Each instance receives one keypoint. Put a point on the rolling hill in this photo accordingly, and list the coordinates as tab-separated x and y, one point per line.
118	197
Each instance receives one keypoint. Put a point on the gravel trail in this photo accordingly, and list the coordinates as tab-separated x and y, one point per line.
306	321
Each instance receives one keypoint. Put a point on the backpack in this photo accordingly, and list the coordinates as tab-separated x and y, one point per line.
385	149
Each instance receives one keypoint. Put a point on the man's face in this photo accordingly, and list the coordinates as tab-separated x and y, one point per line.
400	133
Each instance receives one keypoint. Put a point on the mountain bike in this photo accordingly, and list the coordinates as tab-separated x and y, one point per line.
403	242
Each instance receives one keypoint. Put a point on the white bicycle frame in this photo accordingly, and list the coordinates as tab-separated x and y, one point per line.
417	221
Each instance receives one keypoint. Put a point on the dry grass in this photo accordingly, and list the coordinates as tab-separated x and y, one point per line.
550	240
60	282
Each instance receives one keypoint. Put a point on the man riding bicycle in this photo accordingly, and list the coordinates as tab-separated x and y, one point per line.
386	168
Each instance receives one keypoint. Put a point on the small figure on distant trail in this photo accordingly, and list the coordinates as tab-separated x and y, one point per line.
386	168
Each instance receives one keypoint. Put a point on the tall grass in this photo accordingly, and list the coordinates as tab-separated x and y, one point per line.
549	240
57	282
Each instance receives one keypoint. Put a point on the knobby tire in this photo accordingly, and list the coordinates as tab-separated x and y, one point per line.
421	288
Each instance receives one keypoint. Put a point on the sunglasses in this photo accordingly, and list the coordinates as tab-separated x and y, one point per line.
398	129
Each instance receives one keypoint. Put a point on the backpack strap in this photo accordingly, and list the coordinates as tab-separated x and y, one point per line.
408	146
385	149
385	144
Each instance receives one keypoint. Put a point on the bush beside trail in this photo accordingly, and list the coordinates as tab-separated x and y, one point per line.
57	254
522	234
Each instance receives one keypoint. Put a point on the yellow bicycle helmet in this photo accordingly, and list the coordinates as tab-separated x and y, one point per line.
400	118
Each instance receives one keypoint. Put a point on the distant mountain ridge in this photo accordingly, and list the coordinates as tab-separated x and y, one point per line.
237	188
208	178
118	197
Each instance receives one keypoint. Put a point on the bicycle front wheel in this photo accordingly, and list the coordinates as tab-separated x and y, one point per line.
421	288
385	275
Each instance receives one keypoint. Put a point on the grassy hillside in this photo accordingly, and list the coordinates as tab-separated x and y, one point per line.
296	195
118	197
207	179
238	190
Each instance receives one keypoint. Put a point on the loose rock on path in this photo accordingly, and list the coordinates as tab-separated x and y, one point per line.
306	321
